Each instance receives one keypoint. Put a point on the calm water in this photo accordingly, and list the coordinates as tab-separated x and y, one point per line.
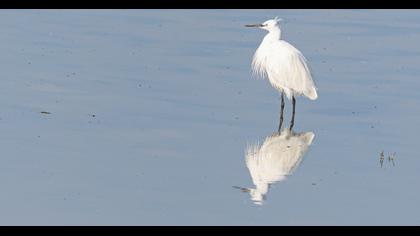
154	117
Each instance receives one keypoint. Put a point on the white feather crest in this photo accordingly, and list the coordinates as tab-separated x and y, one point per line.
278	19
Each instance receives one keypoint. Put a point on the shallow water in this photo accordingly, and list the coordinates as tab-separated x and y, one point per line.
152	112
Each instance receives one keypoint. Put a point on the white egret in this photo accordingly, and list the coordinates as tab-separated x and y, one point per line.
277	158
284	65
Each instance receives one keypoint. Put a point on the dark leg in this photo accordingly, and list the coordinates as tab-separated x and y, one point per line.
281	111
292	122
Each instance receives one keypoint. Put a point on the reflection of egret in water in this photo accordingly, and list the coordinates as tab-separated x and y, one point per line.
276	158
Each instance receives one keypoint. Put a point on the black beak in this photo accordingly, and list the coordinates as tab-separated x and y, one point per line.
255	25
244	190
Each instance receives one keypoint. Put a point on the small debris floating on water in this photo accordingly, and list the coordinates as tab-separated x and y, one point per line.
381	158
390	158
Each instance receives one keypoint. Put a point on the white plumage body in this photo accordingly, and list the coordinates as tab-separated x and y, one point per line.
285	67
275	159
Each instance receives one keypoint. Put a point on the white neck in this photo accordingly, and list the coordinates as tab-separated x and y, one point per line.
274	34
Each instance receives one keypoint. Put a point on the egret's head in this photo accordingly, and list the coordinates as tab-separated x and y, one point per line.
268	25
257	197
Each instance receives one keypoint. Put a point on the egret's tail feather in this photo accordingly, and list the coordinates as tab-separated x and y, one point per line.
312	94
